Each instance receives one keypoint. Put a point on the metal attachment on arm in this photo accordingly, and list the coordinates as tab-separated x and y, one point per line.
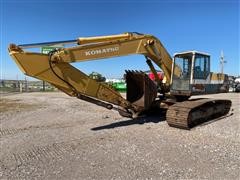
36	45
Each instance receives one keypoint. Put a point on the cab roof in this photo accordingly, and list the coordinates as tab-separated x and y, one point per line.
191	52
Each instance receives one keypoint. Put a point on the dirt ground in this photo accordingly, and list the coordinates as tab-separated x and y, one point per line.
53	136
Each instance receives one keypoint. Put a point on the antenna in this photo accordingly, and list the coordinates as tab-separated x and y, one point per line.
222	61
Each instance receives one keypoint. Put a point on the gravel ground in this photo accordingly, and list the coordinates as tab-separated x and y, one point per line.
53	136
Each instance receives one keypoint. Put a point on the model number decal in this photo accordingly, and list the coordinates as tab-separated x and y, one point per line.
101	51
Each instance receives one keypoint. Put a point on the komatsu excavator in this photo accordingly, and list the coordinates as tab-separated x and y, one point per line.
187	74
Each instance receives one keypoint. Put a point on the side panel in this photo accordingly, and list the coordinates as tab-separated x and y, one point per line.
215	83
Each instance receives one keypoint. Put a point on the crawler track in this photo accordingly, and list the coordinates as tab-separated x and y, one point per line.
190	113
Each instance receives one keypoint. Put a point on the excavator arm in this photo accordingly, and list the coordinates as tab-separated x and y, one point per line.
91	48
56	69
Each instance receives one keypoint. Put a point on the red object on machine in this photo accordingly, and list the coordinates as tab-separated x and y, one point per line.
160	75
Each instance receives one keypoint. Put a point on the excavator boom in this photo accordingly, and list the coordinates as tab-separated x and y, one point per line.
56	69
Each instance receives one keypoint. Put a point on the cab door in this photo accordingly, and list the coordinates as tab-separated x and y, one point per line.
181	75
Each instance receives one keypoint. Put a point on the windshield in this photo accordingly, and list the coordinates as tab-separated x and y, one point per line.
182	72
182	67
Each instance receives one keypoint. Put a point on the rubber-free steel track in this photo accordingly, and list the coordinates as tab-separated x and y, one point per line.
190	113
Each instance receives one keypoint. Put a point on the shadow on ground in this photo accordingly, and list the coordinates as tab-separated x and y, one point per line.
153	117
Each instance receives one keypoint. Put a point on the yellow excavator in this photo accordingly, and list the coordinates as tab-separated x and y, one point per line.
187	74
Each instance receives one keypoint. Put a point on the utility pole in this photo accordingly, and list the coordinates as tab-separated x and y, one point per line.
222	61
26	84
43	85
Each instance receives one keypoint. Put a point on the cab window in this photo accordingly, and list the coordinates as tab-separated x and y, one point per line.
201	67
182	67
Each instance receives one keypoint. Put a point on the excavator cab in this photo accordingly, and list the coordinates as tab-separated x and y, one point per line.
190	73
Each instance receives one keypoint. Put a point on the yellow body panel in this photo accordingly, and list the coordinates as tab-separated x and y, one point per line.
37	65
56	68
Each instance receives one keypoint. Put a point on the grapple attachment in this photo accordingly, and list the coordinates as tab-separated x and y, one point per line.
141	90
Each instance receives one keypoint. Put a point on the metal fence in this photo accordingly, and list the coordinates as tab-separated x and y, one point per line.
25	86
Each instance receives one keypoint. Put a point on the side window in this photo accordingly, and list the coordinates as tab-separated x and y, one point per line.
201	67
